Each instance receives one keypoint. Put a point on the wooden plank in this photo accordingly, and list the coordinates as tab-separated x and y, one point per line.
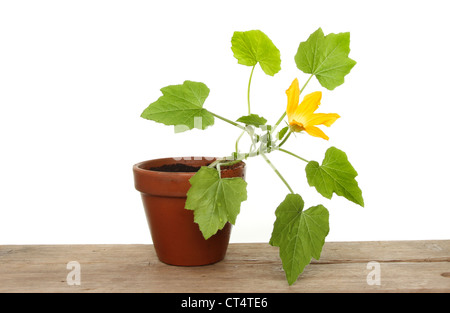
405	266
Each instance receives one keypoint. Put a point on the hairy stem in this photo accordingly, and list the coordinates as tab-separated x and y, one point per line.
301	90
277	172
227	120
237	142
223	162
293	154
248	89
285	138
278	122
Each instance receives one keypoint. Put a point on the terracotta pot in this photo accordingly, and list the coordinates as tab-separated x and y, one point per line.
176	238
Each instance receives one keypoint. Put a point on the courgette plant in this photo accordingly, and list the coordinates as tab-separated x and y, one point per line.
299	233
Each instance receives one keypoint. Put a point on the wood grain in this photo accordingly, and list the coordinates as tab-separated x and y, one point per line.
405	266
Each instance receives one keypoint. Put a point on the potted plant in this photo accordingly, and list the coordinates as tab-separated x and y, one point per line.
200	198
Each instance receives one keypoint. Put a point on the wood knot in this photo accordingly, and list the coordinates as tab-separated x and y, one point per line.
446	274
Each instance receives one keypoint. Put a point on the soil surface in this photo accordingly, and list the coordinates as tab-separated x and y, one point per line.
178	167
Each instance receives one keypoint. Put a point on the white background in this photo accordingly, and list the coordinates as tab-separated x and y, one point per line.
76	75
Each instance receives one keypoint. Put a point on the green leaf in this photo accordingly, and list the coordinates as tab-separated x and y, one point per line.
299	234
336	174
254	46
326	57
282	132
214	200
252	119
181	106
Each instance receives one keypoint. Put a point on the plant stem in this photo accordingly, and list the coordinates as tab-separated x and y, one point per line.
218	162
248	89
278	122
277	172
237	142
284	113
227	120
293	154
285	138
213	164
301	90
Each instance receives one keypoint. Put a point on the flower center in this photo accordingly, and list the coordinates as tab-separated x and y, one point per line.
296	128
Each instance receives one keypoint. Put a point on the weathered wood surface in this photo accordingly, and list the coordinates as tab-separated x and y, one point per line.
405	266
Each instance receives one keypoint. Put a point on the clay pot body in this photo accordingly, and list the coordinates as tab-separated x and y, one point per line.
176	238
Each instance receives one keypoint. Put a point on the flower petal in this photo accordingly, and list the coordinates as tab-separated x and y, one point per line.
326	119
293	94
307	107
316	132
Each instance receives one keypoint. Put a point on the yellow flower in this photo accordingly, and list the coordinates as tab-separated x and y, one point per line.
302	117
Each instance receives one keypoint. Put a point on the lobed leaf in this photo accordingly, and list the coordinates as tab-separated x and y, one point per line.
299	234
214	200
335	175
252	47
181	106
326	57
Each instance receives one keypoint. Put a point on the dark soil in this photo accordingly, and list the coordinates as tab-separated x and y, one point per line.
178	167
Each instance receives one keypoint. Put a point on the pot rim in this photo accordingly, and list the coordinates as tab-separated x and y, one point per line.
140	167
163	183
